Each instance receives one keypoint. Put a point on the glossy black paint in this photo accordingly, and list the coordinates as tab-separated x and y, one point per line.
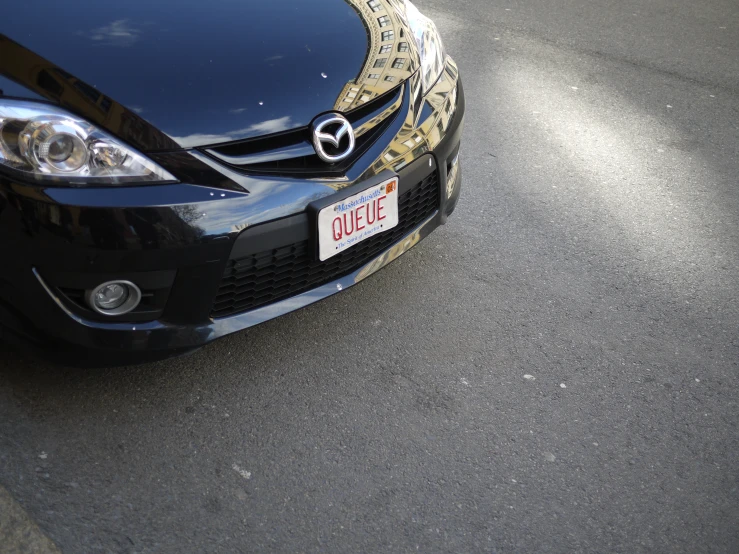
177	238
199	72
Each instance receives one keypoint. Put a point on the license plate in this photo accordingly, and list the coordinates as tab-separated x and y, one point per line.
361	216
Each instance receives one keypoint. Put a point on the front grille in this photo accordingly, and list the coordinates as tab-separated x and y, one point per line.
291	153
273	275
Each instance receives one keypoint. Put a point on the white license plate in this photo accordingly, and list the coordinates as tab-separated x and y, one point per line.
361	216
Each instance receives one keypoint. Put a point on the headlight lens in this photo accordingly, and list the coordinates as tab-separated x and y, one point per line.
429	45
56	147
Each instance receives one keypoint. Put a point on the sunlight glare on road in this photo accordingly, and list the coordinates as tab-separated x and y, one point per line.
630	158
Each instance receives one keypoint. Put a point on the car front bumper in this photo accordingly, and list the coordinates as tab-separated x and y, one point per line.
177	241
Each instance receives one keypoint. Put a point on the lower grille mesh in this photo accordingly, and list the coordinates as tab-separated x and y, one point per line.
273	275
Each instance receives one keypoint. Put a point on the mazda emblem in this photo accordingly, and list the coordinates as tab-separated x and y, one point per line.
330	129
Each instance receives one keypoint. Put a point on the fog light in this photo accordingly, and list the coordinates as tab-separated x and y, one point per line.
114	297
111	296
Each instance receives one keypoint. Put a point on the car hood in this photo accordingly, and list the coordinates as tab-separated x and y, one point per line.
179	74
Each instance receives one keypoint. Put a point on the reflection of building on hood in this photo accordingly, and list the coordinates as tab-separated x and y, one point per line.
389	58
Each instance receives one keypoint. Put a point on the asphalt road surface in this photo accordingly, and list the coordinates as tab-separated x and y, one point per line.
554	370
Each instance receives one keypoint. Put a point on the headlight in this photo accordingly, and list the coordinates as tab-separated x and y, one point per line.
429	45
51	145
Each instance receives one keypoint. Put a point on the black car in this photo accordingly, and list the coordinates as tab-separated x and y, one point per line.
172	172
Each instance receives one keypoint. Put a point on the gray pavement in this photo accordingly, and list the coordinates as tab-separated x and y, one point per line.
19	534
553	371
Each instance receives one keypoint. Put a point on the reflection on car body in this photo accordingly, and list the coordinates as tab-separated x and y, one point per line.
154	203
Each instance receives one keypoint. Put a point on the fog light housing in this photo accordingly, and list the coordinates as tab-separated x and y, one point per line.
114	297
